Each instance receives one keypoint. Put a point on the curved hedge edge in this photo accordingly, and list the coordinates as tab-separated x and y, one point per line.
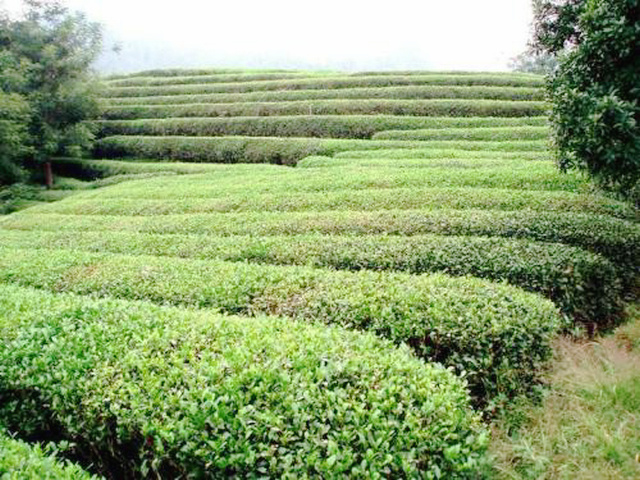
585	286
167	392
461	322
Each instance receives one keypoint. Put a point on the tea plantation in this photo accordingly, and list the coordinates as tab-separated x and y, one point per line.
294	274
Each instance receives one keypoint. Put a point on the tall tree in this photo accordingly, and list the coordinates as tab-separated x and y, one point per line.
48	55
595	91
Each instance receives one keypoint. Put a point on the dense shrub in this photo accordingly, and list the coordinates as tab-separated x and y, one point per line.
269	149
279	200
431	158
327	83
483	134
331	126
20	461
499	335
585	286
406	92
616	239
169	393
434	107
217	77
429	152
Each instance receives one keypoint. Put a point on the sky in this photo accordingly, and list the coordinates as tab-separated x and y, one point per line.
329	34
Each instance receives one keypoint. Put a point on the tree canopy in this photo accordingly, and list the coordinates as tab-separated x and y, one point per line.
595	91
47	92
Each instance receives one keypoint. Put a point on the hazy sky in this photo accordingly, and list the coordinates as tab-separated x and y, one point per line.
328	34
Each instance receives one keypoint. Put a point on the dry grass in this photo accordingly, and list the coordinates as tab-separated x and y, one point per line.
588	425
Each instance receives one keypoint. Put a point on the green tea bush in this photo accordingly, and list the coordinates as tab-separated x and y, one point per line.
285	151
458	198
493	134
426	152
331	126
168	393
218	77
330	82
432	158
497	334
433	107
20	461
584	285
182	72
616	239
409	92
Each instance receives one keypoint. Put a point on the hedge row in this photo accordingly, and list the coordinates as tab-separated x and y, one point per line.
20	461
252	180
426	152
218	77
281	151
145	391
330	126
410	92
454	159
280	200
182	72
494	134
584	285
438	107
326	83
497	334
616	239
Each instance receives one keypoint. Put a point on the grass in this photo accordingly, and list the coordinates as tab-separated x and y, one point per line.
588	426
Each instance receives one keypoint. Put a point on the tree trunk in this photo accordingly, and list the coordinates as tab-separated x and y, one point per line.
48	175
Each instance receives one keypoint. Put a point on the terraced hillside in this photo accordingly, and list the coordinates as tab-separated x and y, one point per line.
186	316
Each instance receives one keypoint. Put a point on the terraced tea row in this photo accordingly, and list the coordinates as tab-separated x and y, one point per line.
400	92
585	286
433	107
463	323
338	126
329	82
287	151
194	392
616	239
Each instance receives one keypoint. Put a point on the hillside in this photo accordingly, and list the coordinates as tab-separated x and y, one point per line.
265	272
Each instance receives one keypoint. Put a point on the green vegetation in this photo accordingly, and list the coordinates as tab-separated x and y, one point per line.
45	85
487	92
433	107
483	134
20	461
276	150
332	82
588	425
331	126
151	391
585	286
193	308
461	322
594	91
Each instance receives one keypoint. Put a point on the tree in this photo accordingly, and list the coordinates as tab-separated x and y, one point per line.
595	91
45	59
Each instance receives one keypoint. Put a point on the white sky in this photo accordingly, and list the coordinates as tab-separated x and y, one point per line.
329	34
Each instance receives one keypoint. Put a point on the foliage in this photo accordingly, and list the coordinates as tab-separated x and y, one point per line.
337	82
14	115
20	461
161	392
584	286
490	92
594	92
430	107
498	335
287	151
491	134
48	54
322	126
